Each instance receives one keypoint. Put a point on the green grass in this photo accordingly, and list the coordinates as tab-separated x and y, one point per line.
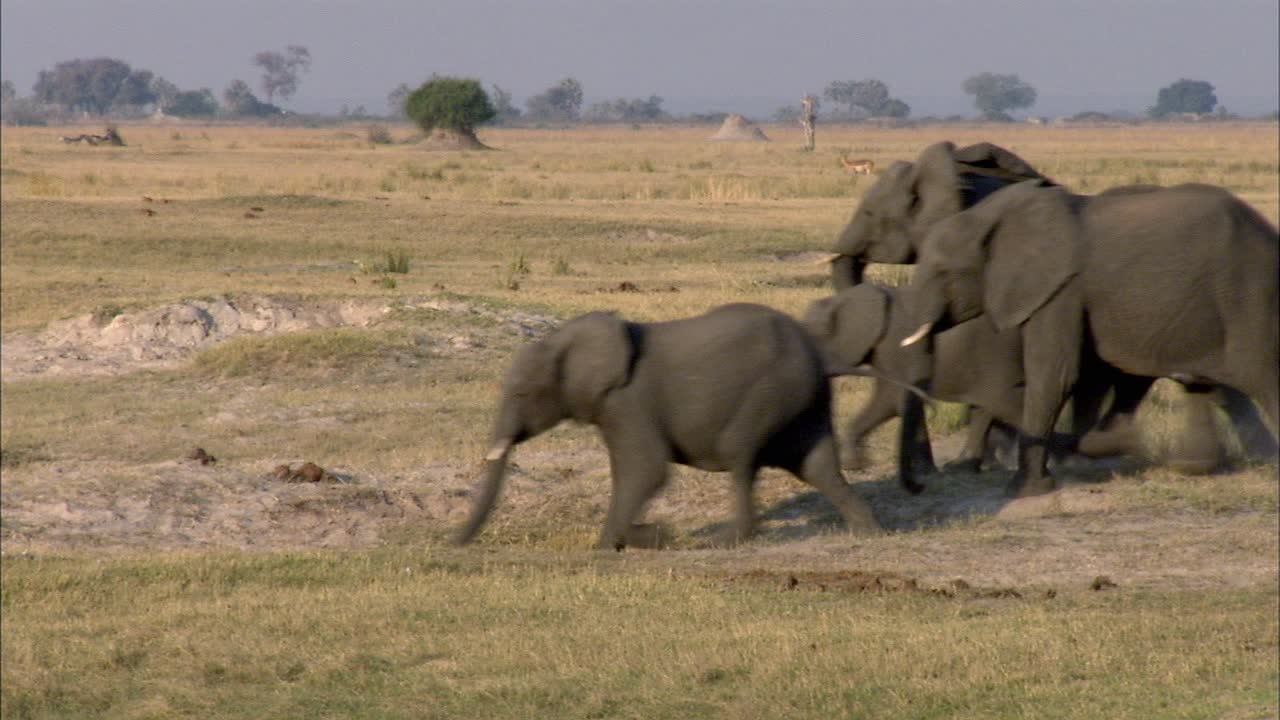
437	633
528	623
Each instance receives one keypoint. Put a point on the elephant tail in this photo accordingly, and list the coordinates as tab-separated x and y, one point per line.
837	369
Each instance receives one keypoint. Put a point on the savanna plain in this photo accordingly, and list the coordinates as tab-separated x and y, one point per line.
275	296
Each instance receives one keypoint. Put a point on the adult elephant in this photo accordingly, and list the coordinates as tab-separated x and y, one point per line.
897	211
736	389
1180	282
970	362
892	224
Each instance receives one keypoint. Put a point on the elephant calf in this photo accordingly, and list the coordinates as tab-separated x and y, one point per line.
972	363
739	388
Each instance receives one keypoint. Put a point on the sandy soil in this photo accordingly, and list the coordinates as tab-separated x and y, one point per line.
960	528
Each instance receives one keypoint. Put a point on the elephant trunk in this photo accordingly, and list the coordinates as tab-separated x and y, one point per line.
928	307
846	271
508	433
495	473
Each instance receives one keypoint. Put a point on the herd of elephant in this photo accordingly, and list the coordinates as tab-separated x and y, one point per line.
1024	295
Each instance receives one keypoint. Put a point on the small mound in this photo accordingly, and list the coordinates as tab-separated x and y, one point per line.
443	139
736	128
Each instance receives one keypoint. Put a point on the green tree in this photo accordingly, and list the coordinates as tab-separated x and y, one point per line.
94	85
457	104
193	103
280	70
8	91
238	99
396	100
868	97
506	111
560	103
164	91
994	95
1184	96
894	108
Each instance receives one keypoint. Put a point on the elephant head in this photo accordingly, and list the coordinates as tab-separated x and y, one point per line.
849	324
1006	257
896	213
567	375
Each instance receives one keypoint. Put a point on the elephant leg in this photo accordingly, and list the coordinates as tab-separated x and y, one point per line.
744	480
821	469
638	474
1116	433
1256	440
908	436
975	443
1052	363
1199	450
882	407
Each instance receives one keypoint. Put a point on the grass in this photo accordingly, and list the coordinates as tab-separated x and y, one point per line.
393	623
384	634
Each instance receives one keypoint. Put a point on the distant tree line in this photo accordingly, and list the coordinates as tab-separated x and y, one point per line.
108	86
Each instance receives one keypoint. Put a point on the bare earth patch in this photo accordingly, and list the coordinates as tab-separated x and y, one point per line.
1132	526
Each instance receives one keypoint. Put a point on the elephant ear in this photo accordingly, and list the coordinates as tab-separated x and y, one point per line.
860	321
892	195
1033	249
936	185
993	161
595	354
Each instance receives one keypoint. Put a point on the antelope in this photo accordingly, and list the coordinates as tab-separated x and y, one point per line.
857	167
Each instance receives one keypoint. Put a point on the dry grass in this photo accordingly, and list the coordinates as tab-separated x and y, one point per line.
120	600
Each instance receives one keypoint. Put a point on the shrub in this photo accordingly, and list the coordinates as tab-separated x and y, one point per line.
452	103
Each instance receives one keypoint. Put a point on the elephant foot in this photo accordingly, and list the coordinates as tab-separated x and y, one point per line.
1109	443
1022	486
908	483
647	536
964	465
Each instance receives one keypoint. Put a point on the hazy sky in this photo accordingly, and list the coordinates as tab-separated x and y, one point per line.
750	56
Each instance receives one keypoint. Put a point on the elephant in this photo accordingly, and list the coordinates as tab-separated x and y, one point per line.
892	224
971	362
736	389
897	211
1180	282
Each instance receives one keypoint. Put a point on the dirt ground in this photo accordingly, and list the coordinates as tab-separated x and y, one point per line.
1120	521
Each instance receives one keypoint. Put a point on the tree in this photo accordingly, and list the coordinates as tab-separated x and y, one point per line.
193	103
868	97
238	99
8	92
280	70
396	99
164	91
451	103
1184	96
502	105
994	94
135	90
895	108
94	85
560	103
623	110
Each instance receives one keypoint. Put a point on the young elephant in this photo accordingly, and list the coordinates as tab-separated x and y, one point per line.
739	388
972	363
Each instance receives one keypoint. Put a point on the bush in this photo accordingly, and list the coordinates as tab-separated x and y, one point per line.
452	103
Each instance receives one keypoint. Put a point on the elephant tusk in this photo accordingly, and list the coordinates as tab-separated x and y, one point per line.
918	335
499	449
829	259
